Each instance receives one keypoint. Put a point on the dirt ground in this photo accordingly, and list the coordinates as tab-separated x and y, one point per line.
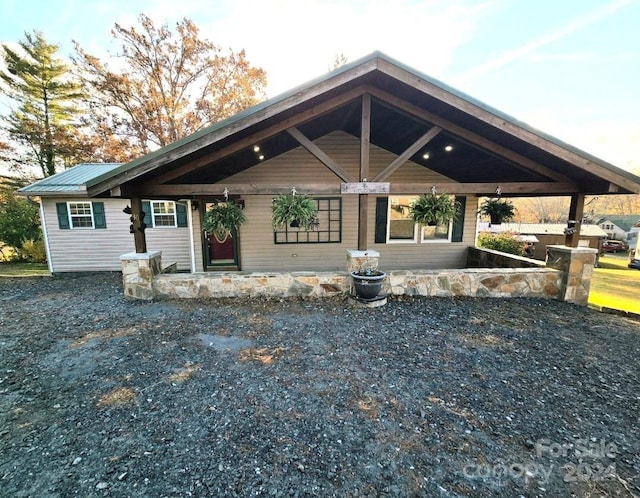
100	396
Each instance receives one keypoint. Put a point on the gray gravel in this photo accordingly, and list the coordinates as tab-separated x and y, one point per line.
100	396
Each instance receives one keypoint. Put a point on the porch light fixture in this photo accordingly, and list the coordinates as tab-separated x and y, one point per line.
448	148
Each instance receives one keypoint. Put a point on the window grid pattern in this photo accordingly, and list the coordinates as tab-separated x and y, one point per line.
164	213
80	214
329	230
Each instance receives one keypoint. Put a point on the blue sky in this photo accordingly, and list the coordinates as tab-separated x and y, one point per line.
568	67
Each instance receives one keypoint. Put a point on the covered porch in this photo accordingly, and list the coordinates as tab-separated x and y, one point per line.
364	138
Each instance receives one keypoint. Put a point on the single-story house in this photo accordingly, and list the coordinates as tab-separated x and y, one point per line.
621	227
363	141
547	234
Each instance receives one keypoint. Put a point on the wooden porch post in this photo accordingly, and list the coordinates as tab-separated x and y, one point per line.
363	199
576	211
137	214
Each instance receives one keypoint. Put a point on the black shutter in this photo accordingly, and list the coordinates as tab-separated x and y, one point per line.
63	215
181	214
146	209
382	206
99	218
458	223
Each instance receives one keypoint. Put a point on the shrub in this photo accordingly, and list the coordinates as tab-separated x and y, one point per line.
503	242
34	251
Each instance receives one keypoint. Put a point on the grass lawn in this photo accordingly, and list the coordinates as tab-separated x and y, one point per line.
23	269
615	286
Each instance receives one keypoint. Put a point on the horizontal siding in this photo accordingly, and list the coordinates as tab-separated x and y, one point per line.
258	252
100	249
427	255
344	149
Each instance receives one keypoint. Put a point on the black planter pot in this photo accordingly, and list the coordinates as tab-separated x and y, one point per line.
368	286
294	224
496	220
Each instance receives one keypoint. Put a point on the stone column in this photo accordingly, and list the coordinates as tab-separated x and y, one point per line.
577	265
138	270
360	260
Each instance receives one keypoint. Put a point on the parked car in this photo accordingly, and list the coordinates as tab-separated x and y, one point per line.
614	246
634	259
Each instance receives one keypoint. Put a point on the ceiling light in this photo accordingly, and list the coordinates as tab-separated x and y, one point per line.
449	148
261	157
425	155
256	148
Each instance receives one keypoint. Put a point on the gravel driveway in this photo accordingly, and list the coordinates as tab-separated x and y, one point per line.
100	396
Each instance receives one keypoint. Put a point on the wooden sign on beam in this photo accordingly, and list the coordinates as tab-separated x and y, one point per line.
365	188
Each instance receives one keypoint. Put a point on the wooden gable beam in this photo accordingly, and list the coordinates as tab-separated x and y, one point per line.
407	154
470	136
197	189
319	154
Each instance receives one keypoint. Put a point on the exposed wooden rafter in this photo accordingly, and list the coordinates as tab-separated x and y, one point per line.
467	135
407	154
507	126
234	147
319	154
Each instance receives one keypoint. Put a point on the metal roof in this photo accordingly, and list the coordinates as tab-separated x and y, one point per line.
625	222
541	229
69	181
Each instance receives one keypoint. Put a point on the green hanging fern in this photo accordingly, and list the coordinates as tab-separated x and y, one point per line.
288	208
434	209
498	210
222	218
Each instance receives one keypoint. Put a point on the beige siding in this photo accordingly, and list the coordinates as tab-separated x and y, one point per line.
100	249
258	252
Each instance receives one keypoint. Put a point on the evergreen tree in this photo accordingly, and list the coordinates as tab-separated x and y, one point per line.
45	100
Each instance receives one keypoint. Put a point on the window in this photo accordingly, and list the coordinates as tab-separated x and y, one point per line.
329	229
163	214
401	226
402	229
80	214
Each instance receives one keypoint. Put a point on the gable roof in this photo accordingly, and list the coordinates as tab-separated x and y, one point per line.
69	181
626	222
490	146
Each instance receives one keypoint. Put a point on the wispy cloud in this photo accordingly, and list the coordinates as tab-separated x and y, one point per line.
517	53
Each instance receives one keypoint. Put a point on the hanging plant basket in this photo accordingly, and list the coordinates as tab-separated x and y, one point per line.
222	218
294	210
497	210
434	209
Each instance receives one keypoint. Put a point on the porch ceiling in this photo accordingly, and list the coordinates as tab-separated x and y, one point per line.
486	146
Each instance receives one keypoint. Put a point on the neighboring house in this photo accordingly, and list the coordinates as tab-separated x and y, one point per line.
621	227
363	141
83	234
548	234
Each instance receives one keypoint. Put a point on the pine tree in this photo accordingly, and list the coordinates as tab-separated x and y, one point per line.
45	100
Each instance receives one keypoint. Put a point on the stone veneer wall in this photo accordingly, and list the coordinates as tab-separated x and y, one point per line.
478	257
482	282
